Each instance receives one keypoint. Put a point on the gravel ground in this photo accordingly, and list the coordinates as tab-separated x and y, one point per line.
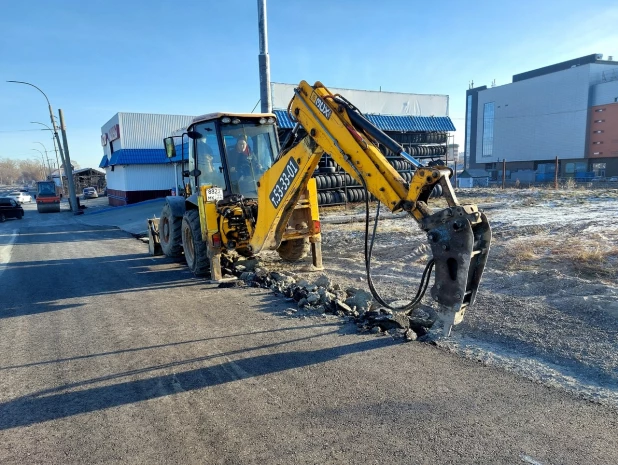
547	308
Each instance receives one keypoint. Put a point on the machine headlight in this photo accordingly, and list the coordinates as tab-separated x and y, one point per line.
262	120
271	120
235	121
226	120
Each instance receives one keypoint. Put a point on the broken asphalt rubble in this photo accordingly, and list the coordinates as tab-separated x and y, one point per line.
322	296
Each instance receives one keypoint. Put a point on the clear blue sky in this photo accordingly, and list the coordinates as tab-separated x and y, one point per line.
96	58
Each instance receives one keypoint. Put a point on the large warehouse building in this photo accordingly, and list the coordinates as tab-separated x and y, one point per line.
567	110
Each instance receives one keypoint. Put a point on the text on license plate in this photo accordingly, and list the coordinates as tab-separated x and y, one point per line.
284	182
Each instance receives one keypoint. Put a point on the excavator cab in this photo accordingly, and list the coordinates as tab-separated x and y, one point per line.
229	157
230	152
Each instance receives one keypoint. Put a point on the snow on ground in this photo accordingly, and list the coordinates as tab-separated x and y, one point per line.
547	307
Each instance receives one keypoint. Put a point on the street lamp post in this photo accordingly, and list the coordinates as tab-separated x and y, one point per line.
46	157
43	163
65	159
55	150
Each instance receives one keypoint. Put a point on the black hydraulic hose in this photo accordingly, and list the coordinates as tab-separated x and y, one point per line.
408	308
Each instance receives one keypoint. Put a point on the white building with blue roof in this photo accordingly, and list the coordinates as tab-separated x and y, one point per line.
134	159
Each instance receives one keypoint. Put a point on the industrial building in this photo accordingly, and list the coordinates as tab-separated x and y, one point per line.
137	168
134	159
567	110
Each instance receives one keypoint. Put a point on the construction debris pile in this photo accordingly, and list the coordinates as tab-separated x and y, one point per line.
322	296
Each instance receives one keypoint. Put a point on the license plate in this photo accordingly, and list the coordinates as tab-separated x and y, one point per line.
284	182
213	194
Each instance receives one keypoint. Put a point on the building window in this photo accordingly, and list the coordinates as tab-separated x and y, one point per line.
598	153
577	167
599	132
488	129
600	109
468	126
599	120
598	142
599	169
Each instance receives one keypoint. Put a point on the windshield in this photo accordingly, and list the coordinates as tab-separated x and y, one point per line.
46	189
250	150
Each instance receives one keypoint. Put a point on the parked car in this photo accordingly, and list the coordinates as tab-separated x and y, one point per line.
21	197
90	193
613	179
9	208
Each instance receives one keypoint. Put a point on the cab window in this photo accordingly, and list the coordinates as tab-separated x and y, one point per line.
207	156
249	149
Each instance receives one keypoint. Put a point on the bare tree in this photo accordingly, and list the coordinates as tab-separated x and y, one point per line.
9	171
31	170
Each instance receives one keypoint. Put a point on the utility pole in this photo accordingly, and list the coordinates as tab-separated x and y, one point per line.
67	164
556	174
53	121
64	191
264	60
503	173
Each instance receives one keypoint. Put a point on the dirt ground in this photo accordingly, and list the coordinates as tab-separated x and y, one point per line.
547	307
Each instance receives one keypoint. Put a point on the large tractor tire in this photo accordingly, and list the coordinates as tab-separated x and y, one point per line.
196	250
293	250
170	234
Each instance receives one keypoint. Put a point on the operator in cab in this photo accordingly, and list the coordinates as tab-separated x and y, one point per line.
245	169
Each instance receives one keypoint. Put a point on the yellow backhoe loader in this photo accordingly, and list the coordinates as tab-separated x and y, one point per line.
247	194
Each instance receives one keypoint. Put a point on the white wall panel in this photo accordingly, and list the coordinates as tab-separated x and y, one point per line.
147	131
150	177
116	179
369	101
605	93
602	73
538	118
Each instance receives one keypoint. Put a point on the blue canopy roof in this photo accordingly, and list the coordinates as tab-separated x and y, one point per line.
104	162
389	123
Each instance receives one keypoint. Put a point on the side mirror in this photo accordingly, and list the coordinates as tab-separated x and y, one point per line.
170	148
195	172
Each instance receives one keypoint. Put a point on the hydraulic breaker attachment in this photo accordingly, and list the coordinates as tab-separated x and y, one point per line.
459	237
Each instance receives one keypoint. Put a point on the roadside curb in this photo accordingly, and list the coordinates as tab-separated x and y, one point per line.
103	210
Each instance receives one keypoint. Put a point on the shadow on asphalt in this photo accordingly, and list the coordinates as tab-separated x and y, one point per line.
161	346
49	283
53	404
38	235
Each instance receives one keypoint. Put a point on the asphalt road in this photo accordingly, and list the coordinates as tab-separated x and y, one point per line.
110	355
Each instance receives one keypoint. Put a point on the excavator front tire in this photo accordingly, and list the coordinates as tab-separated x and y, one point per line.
196	250
170	234
294	249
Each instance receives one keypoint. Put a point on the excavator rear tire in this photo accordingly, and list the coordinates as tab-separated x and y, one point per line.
293	250
170	234
196	250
